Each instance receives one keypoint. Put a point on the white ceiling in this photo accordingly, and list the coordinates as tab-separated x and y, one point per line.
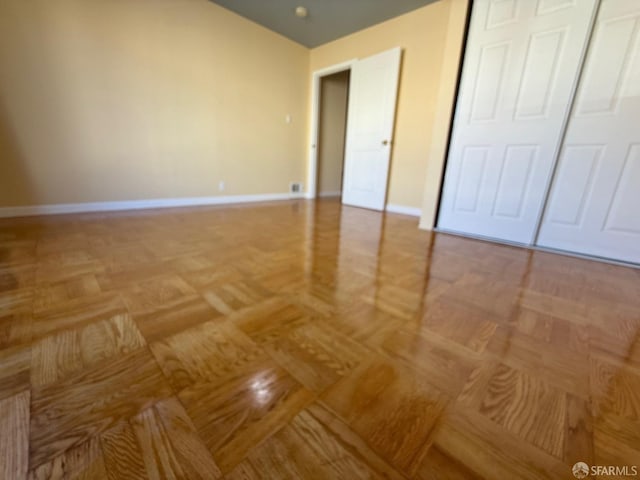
327	19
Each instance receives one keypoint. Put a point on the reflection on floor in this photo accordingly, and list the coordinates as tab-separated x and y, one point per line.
307	340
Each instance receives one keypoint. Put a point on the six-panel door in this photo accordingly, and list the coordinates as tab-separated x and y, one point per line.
521	65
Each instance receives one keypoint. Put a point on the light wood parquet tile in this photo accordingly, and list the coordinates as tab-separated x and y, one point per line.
77	313
14	436
615	390
59	355
364	323
16	277
282	280
84	462
438	465
534	324
616	338
459	323
396	301
578	440
304	339
60	292
316	355
564	308
203	278
18	300
127	280
313	303
324	296
16	309
234	296
351	441
127	258
392	407
66	413
270	320
564	368
157	293
168	321
189	449
446	367
511	392
316	453
59	267
16	328
170	445
191	263
601	283
616	440
17	253
235	413
52	242
490	451
122	453
493	296
14	370
211	350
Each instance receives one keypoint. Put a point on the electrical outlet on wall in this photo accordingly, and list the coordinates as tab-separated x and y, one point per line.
221	186
295	187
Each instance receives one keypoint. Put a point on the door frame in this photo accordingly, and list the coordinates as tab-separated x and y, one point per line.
312	162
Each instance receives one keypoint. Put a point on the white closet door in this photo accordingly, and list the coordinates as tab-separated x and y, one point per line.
519	74
594	206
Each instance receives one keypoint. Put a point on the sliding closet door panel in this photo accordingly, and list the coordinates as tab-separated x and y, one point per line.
594	205
519	74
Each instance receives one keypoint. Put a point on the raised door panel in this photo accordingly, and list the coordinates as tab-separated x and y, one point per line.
605	77
623	215
515	181
501	13
472	167
539	74
488	82
576	171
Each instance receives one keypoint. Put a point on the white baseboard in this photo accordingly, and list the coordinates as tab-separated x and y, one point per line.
425	226
329	194
413	211
62	208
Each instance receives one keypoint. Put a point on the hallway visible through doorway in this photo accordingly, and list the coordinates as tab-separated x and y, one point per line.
332	123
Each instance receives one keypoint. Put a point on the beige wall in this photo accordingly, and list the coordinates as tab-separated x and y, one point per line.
334	93
422	35
106	100
449	71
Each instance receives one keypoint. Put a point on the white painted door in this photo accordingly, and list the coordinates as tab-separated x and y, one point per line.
594	205
519	74
373	92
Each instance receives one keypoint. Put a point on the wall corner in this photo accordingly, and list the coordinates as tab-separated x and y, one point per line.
451	64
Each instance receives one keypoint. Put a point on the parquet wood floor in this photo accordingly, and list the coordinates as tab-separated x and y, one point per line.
306	340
